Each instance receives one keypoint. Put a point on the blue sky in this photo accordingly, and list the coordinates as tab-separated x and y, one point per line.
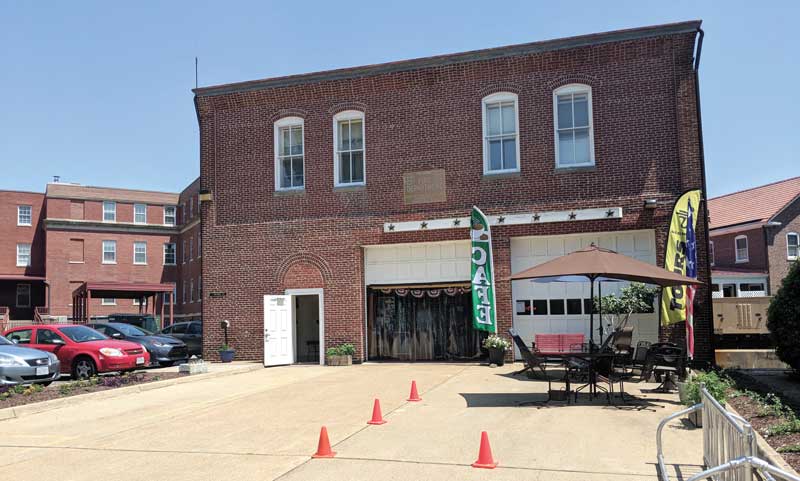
99	92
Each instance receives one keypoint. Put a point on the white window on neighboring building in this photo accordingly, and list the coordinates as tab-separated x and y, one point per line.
139	213
711	252
191	290
169	254
167	300
199	245
140	253
109	252
500	133
183	252
348	148
199	288
23	295
742	253
108	301
183	296
191	248
792	246
24	215
170	215
191	207
23	255
137	302
574	136
289	154
109	211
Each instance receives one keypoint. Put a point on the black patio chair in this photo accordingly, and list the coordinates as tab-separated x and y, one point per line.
533	362
640	355
606	373
578	369
664	360
623	354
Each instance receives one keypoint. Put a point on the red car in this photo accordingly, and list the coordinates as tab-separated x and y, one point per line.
83	352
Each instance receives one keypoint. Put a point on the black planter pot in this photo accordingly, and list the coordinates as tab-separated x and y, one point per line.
497	356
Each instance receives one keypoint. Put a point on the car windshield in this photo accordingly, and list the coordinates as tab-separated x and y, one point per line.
130	330
4	341
82	334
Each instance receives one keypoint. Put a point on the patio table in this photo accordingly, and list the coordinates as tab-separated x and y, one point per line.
591	357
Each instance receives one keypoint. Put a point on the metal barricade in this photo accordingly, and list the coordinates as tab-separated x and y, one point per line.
729	446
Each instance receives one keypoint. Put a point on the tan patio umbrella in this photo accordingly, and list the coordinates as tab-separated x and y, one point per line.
595	262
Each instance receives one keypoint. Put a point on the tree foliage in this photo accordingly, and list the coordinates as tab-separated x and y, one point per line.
783	318
633	298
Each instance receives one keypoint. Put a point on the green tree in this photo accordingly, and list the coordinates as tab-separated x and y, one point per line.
633	298
783	318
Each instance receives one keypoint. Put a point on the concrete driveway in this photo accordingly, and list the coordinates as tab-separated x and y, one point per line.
265	424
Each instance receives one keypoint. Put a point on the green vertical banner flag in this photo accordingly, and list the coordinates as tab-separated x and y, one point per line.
483	305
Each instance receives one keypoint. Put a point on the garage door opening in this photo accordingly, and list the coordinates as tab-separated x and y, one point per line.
306	314
422	324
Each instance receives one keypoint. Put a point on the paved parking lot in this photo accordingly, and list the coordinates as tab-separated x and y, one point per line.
265	424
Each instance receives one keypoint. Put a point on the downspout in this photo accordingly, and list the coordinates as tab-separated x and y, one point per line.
704	191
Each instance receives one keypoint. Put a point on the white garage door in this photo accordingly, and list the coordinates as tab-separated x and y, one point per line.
562	307
422	262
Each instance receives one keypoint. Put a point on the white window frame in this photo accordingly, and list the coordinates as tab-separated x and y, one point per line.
199	244
183	252
492	99
340	117
135	206
20	255
174	215
279	124
796	245
183	288
108	301
740	260
103	251
574	89
174	296
199	288
711	252
191	207
29	215
174	254
26	287
112	210
191	248
191	290
140	243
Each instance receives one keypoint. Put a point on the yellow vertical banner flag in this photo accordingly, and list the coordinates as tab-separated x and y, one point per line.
673	299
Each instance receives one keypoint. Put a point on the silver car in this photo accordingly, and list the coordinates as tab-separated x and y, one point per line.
21	365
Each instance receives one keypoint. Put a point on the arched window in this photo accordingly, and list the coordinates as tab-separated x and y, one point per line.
500	133
289	154
792	246
574	136
349	149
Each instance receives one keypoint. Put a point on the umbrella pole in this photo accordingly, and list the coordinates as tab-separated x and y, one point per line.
591	314
600	307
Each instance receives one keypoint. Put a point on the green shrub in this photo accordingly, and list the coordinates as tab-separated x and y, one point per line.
783	318
787	427
717	385
341	350
792	448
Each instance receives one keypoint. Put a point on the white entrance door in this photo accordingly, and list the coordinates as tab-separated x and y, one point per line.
278	345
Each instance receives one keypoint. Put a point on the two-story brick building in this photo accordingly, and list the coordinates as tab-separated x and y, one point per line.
342	196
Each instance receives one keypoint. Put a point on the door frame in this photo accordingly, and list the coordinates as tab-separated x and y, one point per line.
309	292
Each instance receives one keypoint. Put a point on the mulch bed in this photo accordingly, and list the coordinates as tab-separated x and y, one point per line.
749	409
104	383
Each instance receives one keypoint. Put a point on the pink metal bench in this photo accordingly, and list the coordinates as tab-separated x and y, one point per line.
557	343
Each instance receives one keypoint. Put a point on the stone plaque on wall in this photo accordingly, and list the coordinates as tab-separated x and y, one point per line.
424	187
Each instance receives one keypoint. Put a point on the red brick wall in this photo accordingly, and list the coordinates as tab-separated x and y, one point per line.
779	263
12	234
646	146
190	271
725	250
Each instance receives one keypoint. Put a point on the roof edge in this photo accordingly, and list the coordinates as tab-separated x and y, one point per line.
754	188
454	58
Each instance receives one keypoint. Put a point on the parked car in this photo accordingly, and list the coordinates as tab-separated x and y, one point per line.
83	351
145	321
190	332
164	350
21	365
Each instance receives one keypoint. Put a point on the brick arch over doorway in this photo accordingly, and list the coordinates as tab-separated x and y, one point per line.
303	271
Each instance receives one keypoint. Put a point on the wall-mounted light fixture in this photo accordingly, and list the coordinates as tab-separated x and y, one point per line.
650	203
205	196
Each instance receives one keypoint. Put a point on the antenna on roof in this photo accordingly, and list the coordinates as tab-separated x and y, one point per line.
56	179
195	72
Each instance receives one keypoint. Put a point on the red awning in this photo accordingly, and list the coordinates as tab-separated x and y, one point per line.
122	290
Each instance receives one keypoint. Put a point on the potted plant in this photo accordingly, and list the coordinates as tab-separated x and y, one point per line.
226	353
341	355
497	347
716	385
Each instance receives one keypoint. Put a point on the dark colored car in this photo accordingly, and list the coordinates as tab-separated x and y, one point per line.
22	365
190	332
144	321
164	350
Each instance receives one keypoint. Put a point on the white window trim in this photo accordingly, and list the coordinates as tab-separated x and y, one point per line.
191	248
788	256
109	202
164	254
134	213
711	253
279	124
174	215
30	253
104	303
490	99
145	253
103	252
574	89
30	294
199	243
736	249
30	215
347	115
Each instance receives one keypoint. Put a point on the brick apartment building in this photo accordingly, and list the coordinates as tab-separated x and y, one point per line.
342	195
73	234
755	237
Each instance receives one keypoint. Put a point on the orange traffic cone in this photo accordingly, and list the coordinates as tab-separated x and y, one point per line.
485	458
324	446
377	417
414	396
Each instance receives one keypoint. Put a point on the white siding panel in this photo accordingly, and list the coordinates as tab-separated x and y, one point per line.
423	262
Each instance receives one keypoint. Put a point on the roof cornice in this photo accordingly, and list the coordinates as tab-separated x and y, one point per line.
456	58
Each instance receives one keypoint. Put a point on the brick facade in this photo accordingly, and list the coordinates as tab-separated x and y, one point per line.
779	262
423	115
725	250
